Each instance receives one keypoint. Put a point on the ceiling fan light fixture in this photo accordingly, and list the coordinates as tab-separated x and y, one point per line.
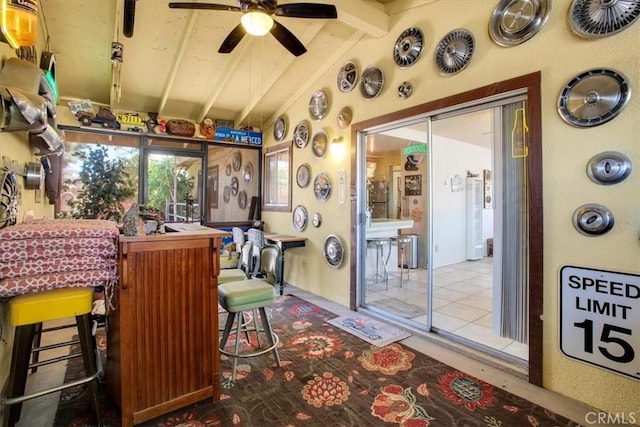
257	23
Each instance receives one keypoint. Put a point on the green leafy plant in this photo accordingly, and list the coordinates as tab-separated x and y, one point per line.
106	184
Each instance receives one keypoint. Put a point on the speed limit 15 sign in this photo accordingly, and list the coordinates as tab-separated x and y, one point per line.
600	318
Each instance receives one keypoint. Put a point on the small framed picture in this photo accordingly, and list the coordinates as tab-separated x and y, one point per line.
413	185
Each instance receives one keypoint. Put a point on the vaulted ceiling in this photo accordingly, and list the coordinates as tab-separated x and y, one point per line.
171	64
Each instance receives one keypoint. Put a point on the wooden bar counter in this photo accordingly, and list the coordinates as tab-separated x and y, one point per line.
162	339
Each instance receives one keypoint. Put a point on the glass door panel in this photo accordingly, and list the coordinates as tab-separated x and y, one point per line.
174	186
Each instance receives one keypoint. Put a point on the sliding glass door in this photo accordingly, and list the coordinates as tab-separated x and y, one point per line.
453	186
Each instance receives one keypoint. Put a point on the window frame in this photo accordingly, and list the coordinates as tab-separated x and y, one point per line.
283	151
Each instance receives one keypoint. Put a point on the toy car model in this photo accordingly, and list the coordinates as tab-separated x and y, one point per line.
104	118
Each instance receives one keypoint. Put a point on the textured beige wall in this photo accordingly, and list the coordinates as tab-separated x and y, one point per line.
560	56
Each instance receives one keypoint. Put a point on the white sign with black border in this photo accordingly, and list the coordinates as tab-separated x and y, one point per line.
600	318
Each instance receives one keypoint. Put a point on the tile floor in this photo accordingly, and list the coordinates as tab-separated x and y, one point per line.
41	412
462	302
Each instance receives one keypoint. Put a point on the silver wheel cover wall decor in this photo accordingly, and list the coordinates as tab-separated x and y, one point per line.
372	82
594	97
515	21
348	76
322	187
454	52
408	47
301	134
9	199
333	251
601	18
300	218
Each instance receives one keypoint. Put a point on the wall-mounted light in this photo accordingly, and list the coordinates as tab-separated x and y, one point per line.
257	23
338	147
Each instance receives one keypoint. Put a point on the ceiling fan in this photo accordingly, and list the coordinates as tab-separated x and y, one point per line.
257	20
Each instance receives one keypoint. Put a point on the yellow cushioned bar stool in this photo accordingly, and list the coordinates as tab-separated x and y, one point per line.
28	311
248	295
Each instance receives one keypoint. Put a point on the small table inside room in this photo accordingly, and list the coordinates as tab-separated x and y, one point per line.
284	242
383	230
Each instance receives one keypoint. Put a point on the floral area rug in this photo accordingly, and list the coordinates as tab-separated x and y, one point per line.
331	378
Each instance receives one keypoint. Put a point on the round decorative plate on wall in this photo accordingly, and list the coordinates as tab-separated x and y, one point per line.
408	47
316	220
348	76
515	21
318	105
333	251
301	134
594	97
372	82
280	128
242	199
319	144
300	218
236	160
322	187
601	18
226	194
454	52
247	173
303	175
234	186
345	115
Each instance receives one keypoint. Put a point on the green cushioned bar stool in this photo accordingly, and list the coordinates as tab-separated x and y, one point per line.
26	313
243	270
248	295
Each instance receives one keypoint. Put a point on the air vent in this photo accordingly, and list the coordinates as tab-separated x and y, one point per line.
454	52
408	47
601	18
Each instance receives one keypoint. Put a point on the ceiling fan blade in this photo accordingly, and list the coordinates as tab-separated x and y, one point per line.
203	6
287	39
232	39
307	10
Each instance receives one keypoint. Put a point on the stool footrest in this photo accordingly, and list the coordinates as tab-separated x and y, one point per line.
258	352
54	360
19	399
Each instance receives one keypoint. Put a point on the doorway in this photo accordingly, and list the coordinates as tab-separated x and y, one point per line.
472	283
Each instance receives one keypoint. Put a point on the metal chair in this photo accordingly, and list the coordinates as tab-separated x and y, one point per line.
378	244
257	237
244	269
247	295
238	239
404	246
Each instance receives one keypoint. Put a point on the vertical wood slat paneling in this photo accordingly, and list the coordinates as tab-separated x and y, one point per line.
170	338
163	352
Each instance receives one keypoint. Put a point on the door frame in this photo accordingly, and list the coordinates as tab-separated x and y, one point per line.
530	83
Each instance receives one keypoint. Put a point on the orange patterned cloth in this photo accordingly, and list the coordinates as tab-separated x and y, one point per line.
49	254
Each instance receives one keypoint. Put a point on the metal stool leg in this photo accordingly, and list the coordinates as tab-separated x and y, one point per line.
89	354
267	330
17	380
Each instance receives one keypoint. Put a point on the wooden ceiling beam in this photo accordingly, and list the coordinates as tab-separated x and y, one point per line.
177	60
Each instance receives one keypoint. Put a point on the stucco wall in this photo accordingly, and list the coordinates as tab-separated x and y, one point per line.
560	56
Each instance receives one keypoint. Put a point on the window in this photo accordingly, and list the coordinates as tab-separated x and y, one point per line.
276	184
